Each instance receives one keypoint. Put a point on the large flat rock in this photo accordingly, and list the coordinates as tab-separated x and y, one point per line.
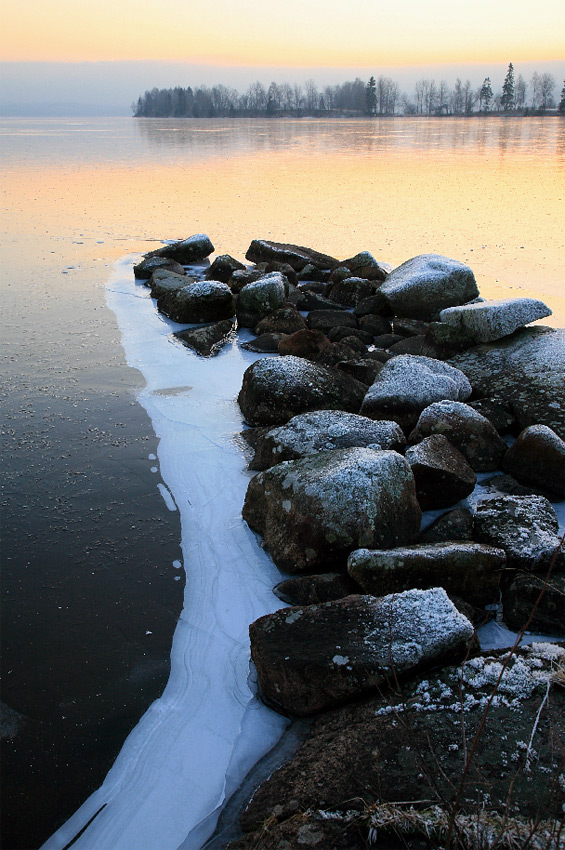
491	320
297	256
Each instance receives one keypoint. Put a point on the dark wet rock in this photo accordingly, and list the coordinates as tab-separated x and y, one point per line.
525	370
364	265
379	354
190	250
352	341
310	274
503	484
526	527
408	345
285	320
350	291
204	301
311	590
339	273
409	327
376	304
324	430
496	411
423	286
314	301
252	436
306	343
469	570
163	281
476	438
375	325
365	370
285	269
339	333
386	340
146	267
312	512
277	388
223	267
407	384
338	353
297	256
443	476
491	320
323	320
537	457
260	298
453	525
310	658
520	597
209	340
444	341
239	279
268	343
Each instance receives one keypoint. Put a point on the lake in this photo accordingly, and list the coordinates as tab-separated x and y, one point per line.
91	583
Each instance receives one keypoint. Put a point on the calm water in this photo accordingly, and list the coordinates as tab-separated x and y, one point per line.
89	583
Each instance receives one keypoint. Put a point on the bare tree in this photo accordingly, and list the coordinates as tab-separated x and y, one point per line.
520	92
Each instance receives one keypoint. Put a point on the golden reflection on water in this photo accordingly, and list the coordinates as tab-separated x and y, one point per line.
488	191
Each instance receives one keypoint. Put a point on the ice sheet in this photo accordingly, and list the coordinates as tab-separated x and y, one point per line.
195	744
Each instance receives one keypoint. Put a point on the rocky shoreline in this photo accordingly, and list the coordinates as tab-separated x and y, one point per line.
393	389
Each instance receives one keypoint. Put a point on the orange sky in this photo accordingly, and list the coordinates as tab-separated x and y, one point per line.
298	32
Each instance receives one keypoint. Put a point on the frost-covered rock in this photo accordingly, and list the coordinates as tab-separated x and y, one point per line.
472	434
520	597
311	590
490	320
297	256
524	370
144	269
309	658
453	525
275	389
323	430
190	250
468	570
537	457
285	320
203	301
312	512
423	286
223	267
443	476
163	281
496	411
207	341
407	384
526	527
256	300
351	290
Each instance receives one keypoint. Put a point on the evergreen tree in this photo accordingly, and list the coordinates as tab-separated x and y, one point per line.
562	101
485	95
508	99
371	96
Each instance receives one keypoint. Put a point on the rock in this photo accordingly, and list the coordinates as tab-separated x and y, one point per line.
453	525
407	384
524	370
469	570
376	304
311	275
310	658
190	250
239	279
374	324
261	297
364	265
351	290
444	341
263	250
339	333
223	267
267	343
323	320
423	286
506	485
312	512
521	596
209	340
315	301
144	269
365	370
324	430
306	343
408	345
386	341
537	457
476	438
338	353
379	354
311	590
277	388
490	320
497	412
204	301
285	320
284	269
443	476
163	281
409	327
526	527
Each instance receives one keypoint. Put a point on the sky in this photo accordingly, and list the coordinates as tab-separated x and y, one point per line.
107	52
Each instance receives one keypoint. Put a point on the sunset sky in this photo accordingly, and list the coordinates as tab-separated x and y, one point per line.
294	34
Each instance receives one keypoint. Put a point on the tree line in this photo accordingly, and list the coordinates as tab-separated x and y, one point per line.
377	96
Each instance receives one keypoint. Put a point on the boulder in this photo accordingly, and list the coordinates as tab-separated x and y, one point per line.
376	304
324	430
310	658
203	301
496	411
408	345
144	269
351	290
163	281
316	301
407	384
443	476
537	457
223	267
209	340
365	370
409	327
285	320
241	278
524	370
374	324
490	320
323	320
311	275
311	590
306	343
364	265
275	389
260	298
297	256
339	352
526	527
313	511
267	343
476	438
339	333
519	599
423	286
284	269
444	341
453	525
468	570
386	341
190	250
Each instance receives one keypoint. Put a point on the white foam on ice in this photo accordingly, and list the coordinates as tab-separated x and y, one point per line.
194	745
